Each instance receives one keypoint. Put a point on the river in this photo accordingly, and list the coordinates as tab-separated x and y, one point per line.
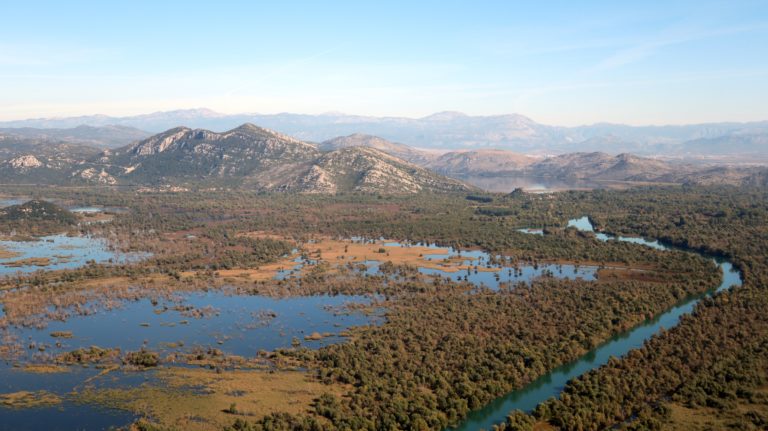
552	384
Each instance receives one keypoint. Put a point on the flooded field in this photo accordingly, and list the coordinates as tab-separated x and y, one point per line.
58	252
235	323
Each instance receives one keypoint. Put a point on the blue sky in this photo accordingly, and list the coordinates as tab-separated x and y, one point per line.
564	63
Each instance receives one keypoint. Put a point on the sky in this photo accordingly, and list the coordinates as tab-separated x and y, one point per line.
561	63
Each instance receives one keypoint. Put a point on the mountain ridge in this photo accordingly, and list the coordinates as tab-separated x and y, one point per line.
258	158
266	160
453	130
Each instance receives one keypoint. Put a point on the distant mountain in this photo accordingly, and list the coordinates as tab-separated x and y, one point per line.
455	130
261	159
401	151
153	122
492	169
604	167
109	136
742	141
479	163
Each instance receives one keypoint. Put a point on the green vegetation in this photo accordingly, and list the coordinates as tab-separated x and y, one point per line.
447	348
714	362
142	359
92	354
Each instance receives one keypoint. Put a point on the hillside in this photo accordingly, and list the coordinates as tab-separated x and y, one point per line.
36	217
35	161
604	167
479	162
723	175
260	159
401	151
369	170
15	146
188	155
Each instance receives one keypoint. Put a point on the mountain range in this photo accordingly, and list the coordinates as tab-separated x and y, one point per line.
455	130
108	136
249	156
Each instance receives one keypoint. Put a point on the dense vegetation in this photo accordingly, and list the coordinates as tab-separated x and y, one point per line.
442	351
715	361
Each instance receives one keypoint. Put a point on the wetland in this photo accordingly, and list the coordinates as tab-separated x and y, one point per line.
250	314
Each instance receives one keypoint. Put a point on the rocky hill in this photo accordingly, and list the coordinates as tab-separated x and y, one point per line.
186	155
480	163
34	161
15	146
260	159
401	151
369	170
605	167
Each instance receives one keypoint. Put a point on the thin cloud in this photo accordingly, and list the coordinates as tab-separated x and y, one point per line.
634	54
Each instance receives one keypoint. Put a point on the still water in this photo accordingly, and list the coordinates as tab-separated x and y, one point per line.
56	252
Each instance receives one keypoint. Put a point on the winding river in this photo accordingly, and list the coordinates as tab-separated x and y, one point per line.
552	384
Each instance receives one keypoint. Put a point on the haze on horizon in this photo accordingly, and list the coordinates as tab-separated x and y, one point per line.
561	64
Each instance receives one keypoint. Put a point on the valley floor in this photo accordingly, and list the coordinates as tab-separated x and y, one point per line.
284	311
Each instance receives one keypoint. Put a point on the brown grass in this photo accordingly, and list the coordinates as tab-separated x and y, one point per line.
45	369
543	426
32	261
7	254
26	399
341	252
255	394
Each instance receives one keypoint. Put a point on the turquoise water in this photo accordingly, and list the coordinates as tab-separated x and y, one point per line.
552	384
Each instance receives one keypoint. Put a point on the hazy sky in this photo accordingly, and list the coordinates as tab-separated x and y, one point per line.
566	63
